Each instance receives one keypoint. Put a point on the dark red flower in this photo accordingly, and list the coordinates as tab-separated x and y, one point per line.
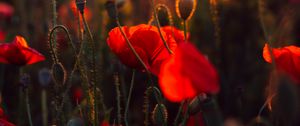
186	74
19	53
6	10
195	120
104	123
287	60
77	94
2	36
147	43
3	121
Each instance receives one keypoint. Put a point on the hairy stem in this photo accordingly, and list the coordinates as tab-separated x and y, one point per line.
28	107
158	28
128	99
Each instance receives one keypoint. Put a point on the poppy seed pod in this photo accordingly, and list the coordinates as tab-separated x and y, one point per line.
75	122
159	114
185	8
81	5
59	73
44	76
25	80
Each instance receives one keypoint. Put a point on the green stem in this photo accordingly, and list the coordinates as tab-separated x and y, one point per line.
185	31
44	107
158	28
128	99
186	116
28	107
178	113
118	98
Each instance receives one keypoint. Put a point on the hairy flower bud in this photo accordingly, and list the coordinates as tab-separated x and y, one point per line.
185	8
81	5
25	80
159	114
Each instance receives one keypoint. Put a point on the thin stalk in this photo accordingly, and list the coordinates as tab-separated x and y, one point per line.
128	99
158	28
44	107
178	113
265	104
93	72
186	116
185	31
118	98
28	107
54	21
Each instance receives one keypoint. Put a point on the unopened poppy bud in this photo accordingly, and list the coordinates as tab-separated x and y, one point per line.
185	8
159	114
25	80
196	103
59	73
44	76
81	5
111	9
75	122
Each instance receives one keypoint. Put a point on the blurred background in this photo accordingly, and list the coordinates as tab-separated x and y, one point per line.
230	34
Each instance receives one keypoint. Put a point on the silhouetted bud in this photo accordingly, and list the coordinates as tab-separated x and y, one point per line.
196	104
185	8
25	80
75	122
159	114
110	7
44	77
59	73
81	5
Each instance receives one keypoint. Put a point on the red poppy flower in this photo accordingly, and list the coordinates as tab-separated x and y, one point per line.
104	123
287	60
2	36
186	74
178	34
77	94
147	43
195	120
6	10
3	121
19	53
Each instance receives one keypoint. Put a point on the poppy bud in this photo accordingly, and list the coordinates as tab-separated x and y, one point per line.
44	76
185	8
110	8
196	104
25	80
81	5
159	114
59	73
75	122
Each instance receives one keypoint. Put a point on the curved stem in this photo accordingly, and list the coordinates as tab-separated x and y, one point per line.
265	104
158	28
128	99
51	40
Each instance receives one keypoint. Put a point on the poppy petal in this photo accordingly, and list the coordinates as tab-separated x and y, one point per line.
287	60
186	74
18	53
